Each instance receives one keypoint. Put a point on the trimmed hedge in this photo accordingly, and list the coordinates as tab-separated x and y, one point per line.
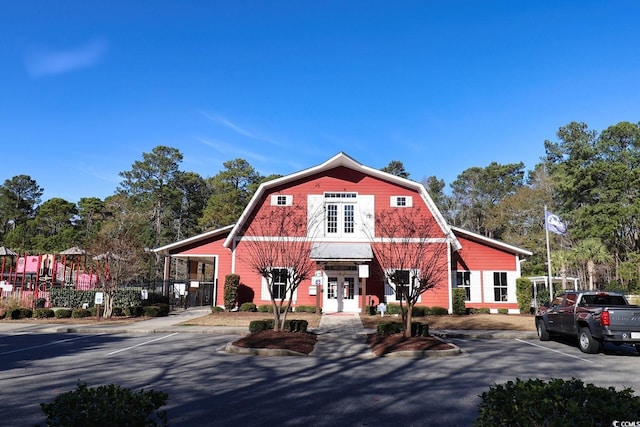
43	313
306	309
247	306
20	313
78	313
418	329
291	325
268	308
63	313
216	309
555	403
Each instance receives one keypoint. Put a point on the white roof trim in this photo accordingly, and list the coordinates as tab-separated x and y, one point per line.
492	242
342	159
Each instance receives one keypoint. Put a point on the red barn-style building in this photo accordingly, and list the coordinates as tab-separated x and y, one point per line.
330	216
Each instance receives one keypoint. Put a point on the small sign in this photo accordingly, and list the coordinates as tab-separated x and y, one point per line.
144	294
313	290
195	284
363	271
382	308
99	298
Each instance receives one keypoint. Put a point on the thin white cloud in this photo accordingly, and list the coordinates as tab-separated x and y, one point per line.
221	120
41	62
227	123
230	150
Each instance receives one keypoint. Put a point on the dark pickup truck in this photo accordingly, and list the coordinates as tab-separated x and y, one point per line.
591	316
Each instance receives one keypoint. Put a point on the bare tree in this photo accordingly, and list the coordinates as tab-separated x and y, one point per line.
413	254
118	255
276	246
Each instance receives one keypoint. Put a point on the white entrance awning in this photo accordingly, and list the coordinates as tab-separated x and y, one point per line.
354	252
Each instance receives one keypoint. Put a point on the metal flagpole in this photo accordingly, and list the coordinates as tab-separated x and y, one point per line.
546	231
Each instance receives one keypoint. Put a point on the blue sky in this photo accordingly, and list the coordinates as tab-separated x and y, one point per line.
86	87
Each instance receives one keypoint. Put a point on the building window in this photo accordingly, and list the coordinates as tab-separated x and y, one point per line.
281	200
401	281
500	286
463	279
279	285
340	213
401	201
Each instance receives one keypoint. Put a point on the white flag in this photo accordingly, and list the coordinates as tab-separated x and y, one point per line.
554	224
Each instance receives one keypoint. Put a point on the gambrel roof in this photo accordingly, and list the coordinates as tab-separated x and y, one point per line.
342	160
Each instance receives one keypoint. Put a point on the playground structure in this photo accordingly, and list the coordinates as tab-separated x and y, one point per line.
31	277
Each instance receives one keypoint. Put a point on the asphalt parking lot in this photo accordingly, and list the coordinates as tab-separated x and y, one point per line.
208	387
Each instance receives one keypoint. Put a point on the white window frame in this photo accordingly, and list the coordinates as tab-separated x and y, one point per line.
401	201
463	281
281	200
265	288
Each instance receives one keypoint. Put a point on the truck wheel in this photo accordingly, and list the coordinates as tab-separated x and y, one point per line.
543	334
587	343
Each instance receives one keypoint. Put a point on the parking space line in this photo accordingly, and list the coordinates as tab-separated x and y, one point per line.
555	351
142	343
48	344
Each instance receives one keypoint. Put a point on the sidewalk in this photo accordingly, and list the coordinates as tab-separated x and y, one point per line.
341	335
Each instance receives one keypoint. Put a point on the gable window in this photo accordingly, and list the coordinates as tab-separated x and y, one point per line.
340	213
463	280
500	286
281	200
401	201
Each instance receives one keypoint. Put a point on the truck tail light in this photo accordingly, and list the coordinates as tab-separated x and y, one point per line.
605	320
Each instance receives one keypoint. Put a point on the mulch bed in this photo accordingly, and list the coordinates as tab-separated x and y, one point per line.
301	342
304	343
381	345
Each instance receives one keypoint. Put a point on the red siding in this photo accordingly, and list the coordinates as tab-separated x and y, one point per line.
476	256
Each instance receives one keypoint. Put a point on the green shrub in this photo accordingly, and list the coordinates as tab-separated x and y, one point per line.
260	325
556	403
503	311
43	313
231	283
439	311
420	311
295	325
393	309
459	306
63	313
385	329
78	313
247	306
117	311
306	309
524	294
109	405
20	313
94	311
482	310
73	298
291	325
165	309
151	311
372	310
268	308
216	309
419	329
134	311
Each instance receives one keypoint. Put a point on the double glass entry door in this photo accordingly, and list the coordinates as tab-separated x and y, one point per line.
342	293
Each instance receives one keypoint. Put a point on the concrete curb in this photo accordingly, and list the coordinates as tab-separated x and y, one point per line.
230	348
